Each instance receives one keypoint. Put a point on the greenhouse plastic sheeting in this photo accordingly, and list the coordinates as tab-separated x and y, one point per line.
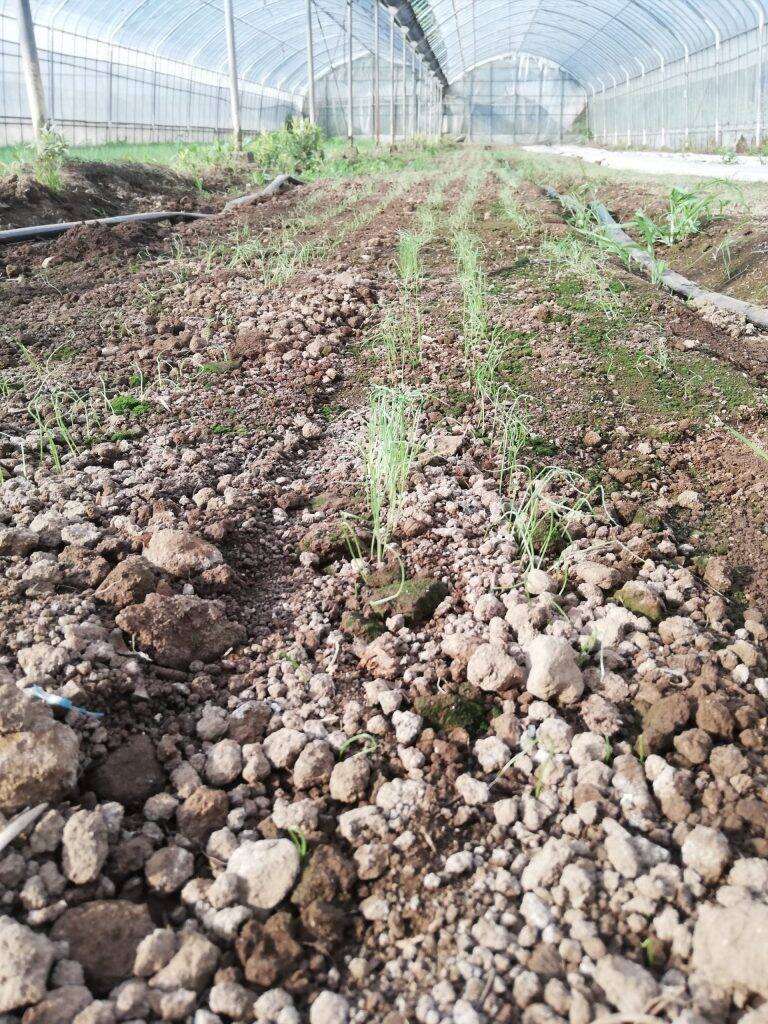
156	68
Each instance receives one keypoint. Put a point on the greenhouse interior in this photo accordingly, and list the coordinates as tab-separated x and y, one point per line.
383	512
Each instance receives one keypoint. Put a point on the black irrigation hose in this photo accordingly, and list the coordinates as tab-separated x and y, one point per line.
40	232
670	279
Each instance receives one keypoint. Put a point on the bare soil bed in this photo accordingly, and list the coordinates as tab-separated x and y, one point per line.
105	190
491	752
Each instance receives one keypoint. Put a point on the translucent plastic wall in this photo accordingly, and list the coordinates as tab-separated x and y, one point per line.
714	99
99	93
414	114
524	100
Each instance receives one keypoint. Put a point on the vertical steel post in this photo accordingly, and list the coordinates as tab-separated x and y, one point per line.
470	97
515	102
629	109
392	78
234	91
615	111
759	77
311	65
718	133
31	64
404	91
644	105
539	101
153	130
562	107
350	94
414	96
376	98
51	77
687	97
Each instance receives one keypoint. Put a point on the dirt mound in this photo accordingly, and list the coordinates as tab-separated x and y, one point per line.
103	190
95	239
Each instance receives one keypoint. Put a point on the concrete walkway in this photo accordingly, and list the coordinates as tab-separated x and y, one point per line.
696	165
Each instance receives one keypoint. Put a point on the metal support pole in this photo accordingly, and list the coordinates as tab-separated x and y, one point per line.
234	92
311	65
414	96
718	133
110	97
404	92
540	102
687	97
562	108
470	104
759	78
376	97
615	111
350	95
629	110
644	105
392	79
516	105
153	130
31	64
605	114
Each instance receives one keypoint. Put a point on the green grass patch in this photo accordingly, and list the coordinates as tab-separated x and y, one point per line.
128	405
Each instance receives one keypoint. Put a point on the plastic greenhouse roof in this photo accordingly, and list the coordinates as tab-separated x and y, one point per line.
593	40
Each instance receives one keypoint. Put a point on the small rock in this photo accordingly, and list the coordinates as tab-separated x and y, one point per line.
268	869
268	951
492	669
181	554
314	765
283	747
730	947
349	779
639	599
204	811
130	774
38	764
190	968
61	1006
223	763
130	582
707	851
472	791
42	660
154	952
329	1008
554	674
25	960
180	629
168	869
492	753
627	985
663	719
717	573
103	936
86	845
539	582
231	1000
